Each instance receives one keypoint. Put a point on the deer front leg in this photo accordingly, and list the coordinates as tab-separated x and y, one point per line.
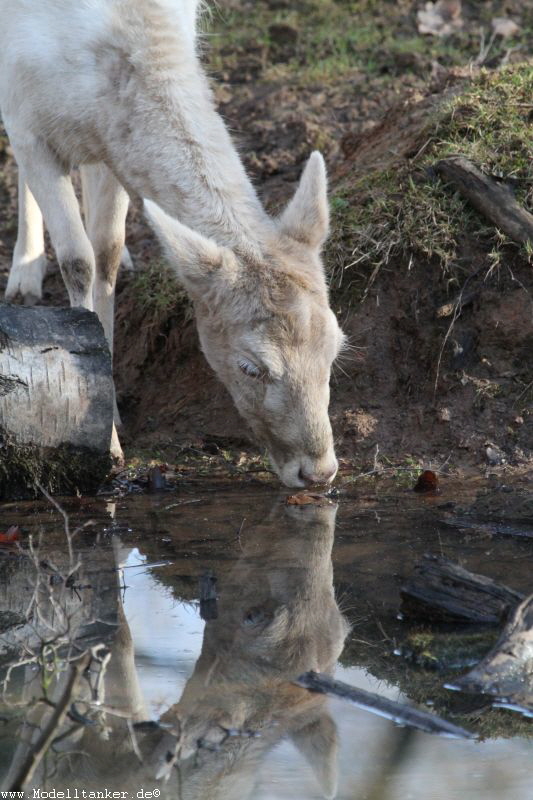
50	184
29	261
105	205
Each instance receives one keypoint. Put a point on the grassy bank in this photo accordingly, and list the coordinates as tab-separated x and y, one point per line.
404	211
329	40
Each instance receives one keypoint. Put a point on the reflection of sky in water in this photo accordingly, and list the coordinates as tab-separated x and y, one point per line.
167	635
168	640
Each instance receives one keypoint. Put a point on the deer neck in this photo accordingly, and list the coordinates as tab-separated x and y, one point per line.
206	186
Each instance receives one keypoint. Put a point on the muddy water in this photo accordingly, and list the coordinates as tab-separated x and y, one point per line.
297	588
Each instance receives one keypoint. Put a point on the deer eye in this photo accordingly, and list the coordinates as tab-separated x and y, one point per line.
252	370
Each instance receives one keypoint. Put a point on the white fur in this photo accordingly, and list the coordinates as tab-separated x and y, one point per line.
29	261
116	87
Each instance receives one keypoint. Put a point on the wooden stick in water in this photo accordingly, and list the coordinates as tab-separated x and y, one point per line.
398	712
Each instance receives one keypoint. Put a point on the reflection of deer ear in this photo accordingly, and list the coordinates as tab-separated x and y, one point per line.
317	742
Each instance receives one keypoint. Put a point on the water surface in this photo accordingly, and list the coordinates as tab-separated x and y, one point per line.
298	588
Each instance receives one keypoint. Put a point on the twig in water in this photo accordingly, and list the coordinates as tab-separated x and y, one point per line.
240	531
134	742
38	750
65	518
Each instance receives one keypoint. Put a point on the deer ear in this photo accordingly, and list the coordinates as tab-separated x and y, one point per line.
195	258
317	742
306	218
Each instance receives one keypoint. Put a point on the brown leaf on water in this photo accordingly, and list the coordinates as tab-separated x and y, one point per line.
308	499
427	482
11	535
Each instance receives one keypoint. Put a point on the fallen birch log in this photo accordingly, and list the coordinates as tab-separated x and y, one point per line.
442	591
56	400
492	199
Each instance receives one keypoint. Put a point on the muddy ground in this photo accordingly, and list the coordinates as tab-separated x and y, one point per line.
360	82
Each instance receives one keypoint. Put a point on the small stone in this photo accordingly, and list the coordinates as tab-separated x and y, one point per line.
494	456
518	420
450	9
444	414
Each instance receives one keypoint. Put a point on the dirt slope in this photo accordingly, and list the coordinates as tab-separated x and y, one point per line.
358	81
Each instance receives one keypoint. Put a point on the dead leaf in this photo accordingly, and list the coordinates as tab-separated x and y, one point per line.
505	27
308	499
441	18
427	482
11	535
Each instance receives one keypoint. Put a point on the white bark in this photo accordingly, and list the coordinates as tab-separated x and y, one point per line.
56	391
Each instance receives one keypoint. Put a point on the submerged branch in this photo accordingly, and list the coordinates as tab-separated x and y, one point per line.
446	592
48	734
400	713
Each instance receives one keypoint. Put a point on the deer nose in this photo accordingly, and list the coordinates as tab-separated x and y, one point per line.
312	478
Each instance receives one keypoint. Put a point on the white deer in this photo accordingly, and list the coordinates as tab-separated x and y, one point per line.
116	87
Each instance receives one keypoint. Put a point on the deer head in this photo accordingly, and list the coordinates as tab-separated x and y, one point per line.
266	327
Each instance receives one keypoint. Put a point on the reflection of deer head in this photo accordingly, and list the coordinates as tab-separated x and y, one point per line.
277	617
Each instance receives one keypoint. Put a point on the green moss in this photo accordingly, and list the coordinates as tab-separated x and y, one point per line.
436	657
60	470
444	651
405	211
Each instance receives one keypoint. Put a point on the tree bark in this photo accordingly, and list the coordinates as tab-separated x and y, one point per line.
494	200
56	400
506	672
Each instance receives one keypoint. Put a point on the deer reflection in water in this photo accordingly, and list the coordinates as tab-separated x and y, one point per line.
277	617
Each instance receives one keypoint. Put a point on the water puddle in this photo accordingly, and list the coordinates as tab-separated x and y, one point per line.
285	589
